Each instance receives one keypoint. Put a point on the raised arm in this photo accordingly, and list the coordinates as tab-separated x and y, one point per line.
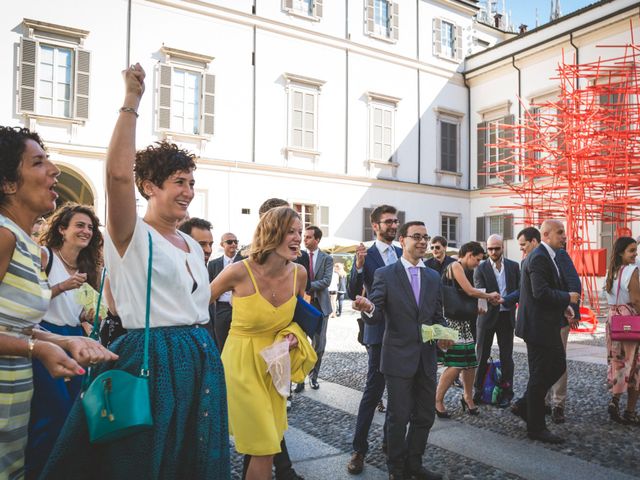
121	198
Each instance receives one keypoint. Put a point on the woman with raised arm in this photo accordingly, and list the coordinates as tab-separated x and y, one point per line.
27	182
189	437
264	289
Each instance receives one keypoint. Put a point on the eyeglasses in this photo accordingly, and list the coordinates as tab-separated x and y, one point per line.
435	247
417	237
390	221
494	249
229	242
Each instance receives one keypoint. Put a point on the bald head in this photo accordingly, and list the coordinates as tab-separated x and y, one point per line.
553	234
494	247
229	242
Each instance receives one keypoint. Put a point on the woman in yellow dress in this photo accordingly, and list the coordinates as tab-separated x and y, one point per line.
264	289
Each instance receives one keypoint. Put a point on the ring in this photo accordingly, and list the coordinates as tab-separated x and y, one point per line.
93	363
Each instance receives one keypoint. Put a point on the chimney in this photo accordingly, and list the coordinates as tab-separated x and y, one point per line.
496	20
523	28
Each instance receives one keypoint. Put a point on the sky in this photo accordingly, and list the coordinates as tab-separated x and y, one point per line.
524	11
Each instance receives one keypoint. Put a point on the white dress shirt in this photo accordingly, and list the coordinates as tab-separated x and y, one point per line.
552	254
501	278
226	296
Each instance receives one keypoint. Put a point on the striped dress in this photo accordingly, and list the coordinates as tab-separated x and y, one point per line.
24	299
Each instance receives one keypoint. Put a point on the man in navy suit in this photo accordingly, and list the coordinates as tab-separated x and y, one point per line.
384	221
496	274
404	296
544	305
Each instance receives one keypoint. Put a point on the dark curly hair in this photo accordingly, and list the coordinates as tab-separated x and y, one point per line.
90	257
194	222
474	247
13	142
158	162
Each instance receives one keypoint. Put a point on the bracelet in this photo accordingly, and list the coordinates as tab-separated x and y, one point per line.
129	110
32	343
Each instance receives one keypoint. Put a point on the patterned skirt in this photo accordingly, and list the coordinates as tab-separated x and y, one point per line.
462	354
623	363
16	390
190	436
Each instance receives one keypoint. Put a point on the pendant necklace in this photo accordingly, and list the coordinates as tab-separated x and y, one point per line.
68	265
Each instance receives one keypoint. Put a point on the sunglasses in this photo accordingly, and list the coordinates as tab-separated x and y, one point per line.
435	247
494	249
229	242
390	221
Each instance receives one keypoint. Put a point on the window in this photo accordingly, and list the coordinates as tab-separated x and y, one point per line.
186	94
447	40
304	8
382	112
494	160
54	72
494	225
302	99
313	215
383	19
449	229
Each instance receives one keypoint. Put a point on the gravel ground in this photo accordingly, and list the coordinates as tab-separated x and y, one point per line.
589	433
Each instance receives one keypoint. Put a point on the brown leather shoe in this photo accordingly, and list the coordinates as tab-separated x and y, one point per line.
356	464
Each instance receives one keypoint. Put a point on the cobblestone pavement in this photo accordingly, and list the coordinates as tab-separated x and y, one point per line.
589	434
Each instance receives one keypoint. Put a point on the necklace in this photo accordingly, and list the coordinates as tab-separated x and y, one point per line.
67	264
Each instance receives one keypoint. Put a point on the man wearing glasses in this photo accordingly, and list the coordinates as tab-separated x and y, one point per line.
440	259
385	223
222	316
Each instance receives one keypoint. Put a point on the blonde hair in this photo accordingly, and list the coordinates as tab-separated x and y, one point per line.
270	232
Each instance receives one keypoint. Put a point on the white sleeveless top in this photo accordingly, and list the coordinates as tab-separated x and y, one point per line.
63	309
623	297
172	301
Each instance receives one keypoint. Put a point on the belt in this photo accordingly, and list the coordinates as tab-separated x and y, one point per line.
22	330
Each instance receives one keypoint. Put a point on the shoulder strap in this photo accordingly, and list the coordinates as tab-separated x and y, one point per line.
47	269
253	280
295	278
144	371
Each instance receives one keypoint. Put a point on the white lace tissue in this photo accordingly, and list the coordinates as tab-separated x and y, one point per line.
279	365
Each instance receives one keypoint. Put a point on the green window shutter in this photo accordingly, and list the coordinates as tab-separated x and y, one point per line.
27	88
81	86
482	153
507	229
480	229
395	20
367	229
208	111
164	96
437	36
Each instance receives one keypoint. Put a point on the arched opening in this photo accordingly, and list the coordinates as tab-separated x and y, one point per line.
73	188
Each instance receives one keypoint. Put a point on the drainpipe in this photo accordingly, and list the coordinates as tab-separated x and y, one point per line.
513	62
466	84
575	47
418	90
347	36
128	47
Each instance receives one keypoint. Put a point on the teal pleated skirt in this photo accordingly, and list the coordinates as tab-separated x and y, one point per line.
190	436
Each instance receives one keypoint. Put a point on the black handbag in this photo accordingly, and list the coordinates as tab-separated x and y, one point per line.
456	304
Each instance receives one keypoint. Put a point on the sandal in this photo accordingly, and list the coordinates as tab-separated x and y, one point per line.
380	407
631	418
614	410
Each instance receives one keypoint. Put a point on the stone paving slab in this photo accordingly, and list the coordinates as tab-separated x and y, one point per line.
333	467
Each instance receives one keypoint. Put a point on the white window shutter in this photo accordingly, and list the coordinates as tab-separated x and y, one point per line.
164	96
395	20
323	215
317	8
370	15
27	88
208	110
437	36
81	86
459	43
288	4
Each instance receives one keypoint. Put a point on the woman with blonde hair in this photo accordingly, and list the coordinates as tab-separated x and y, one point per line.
622	288
264	289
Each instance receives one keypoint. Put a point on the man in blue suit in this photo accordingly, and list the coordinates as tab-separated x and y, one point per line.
405	296
384	221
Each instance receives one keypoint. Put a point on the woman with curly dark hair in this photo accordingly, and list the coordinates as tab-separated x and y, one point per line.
73	244
189	437
27	182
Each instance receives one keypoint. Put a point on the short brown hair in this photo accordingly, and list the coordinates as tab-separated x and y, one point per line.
271	203
379	211
158	162
271	230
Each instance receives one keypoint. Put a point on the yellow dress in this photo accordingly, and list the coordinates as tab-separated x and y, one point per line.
257	412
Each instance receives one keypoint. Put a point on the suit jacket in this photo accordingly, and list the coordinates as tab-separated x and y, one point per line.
372	333
319	287
543	300
396	308
484	277
216	265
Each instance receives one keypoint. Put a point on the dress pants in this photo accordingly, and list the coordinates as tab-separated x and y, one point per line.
319	342
503	329
412	402
222	323
373	390
546	366
558	392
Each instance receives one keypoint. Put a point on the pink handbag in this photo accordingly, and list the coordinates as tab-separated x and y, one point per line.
624	326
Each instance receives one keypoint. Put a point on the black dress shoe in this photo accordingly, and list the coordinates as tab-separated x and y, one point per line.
314	384
557	415
547	410
299	388
518	409
545	436
423	474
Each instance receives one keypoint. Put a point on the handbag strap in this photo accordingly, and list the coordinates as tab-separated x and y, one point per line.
95	332
619	280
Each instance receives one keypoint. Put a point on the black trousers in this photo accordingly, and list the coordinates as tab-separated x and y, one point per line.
503	329
546	366
281	461
412	402
222	323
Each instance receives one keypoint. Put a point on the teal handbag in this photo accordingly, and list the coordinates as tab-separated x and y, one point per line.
117	403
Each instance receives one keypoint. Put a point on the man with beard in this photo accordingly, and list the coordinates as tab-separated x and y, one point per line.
384	221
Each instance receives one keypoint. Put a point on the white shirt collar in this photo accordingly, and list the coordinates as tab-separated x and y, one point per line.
312	252
382	247
493	264
552	252
407	264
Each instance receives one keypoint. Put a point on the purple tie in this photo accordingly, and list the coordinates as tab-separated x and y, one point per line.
415	282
